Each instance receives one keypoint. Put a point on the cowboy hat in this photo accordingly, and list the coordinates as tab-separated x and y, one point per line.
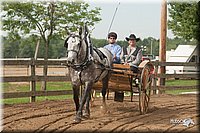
132	37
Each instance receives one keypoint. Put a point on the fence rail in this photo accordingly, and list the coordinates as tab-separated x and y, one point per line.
33	77
195	76
159	63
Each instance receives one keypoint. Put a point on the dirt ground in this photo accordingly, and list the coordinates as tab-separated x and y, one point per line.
57	116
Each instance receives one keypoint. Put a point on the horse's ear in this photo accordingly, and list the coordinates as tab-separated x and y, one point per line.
86	30
80	30
66	44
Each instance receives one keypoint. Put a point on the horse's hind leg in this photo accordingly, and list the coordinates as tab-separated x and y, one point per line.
104	88
88	86
93	95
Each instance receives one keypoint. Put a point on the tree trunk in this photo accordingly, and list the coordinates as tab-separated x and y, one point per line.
45	69
37	49
47	42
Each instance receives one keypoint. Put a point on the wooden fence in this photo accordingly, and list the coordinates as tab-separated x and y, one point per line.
32	65
156	75
33	78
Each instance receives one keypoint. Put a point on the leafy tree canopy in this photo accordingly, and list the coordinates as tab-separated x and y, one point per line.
46	18
183	20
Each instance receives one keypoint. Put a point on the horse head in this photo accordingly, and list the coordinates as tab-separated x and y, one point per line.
73	45
76	46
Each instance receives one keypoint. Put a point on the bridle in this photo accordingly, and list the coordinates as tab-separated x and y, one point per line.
72	50
89	57
86	62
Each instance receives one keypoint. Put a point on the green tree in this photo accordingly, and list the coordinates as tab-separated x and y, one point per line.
99	42
56	48
46	19
27	47
10	48
198	22
183	22
26	50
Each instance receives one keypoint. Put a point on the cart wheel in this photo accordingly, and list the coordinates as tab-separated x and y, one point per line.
144	89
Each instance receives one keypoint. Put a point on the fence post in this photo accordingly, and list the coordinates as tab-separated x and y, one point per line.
32	83
155	91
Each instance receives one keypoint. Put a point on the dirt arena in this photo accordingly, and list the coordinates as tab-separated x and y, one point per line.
57	116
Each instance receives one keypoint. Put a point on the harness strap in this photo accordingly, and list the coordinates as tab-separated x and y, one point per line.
101	55
89	55
125	51
134	53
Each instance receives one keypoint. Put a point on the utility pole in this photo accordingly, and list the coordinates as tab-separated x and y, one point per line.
151	47
163	33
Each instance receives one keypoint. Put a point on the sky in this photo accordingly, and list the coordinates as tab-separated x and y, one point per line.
141	18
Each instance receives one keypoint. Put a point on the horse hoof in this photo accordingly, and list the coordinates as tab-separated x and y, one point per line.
77	120
103	109
86	115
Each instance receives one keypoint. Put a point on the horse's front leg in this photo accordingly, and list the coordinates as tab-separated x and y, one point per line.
76	96
88	86
86	114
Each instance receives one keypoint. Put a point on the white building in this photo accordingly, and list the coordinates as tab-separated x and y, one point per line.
169	53
183	53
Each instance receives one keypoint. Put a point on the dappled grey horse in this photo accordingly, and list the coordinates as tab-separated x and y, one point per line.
86	66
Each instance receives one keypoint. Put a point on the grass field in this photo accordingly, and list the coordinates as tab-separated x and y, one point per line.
181	83
19	87
23	87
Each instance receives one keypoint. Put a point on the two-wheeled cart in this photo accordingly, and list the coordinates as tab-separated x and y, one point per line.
135	80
